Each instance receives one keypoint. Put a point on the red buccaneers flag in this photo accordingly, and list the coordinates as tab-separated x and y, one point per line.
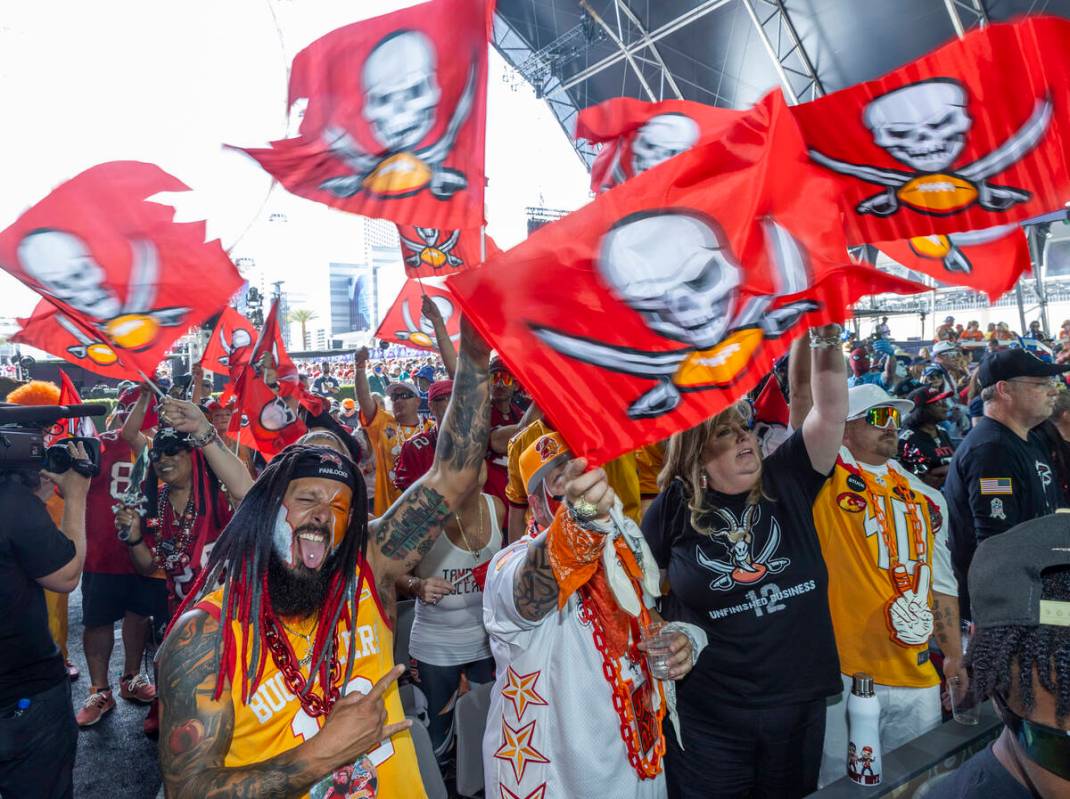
664	300
636	136
231	334
394	120
270	341
405	324
971	136
68	395
428	252
116	264
271	423
52	331
989	260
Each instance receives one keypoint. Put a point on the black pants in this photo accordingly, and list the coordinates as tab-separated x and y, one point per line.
37	748
439	684
740	753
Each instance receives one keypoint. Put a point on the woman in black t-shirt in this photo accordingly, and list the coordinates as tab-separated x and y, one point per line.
736	539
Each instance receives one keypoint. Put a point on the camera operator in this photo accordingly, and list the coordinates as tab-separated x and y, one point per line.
38	735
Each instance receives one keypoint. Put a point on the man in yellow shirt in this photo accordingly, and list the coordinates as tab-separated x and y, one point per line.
387	430
276	678
883	535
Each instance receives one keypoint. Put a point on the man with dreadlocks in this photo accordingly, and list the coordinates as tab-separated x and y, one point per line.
278	675
1020	656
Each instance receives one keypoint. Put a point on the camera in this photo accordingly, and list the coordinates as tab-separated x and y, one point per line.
22	439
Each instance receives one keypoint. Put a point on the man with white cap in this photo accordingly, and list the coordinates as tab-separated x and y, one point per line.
891	586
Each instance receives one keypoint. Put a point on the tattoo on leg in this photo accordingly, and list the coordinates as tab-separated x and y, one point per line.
535	589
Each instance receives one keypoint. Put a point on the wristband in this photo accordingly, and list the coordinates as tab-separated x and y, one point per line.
202	441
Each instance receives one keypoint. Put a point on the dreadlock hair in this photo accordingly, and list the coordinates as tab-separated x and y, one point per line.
239	562
684	461
995	651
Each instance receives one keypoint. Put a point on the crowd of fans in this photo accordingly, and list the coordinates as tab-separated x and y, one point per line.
845	544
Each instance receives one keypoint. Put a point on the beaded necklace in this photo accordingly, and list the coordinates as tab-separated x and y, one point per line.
172	552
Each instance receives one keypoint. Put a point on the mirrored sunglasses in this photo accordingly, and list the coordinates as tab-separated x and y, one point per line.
402	395
502	379
882	415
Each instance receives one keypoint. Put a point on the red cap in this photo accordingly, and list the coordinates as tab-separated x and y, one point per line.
439	389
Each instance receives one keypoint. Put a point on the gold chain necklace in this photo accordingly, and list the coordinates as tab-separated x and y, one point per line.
473	552
306	637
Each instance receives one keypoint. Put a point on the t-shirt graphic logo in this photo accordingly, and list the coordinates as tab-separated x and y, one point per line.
1044	472
742	567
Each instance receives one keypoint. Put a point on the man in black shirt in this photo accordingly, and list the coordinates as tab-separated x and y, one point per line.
38	734
925	448
1021	604
1000	475
326	385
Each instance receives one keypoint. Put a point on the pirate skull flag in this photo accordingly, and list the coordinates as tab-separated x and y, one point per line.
116	264
230	339
664	300
51	330
636	136
394	117
972	136
989	260
271	421
429	252
405	323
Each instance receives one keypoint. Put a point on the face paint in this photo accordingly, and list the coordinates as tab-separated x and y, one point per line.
312	534
282	537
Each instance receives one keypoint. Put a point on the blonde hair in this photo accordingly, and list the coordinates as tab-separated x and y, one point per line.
684	461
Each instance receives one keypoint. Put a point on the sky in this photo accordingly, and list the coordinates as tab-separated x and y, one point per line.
170	83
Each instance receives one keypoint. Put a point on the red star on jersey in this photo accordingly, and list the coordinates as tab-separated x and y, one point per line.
521	691
538	793
517	749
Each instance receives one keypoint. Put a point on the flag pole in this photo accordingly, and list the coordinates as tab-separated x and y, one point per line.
151	385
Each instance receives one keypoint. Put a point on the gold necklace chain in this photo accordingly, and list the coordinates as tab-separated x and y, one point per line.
306	637
473	552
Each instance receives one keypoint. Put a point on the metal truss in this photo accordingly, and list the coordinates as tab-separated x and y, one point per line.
973	9
793	66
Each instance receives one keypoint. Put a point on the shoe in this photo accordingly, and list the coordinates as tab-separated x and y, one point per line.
96	705
137	688
72	671
151	724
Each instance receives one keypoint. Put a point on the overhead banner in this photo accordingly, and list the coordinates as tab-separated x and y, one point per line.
388	117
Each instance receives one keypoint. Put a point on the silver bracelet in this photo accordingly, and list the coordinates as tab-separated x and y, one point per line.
200	442
826	342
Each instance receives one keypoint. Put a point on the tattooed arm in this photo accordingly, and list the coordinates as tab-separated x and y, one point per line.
948	633
406	532
196	730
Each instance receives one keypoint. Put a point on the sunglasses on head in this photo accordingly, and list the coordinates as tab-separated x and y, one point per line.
169	448
883	414
502	379
1046	746
402	395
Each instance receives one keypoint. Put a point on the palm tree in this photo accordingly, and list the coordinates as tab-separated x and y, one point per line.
302	316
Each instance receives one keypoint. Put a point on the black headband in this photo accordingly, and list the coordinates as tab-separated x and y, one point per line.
324	463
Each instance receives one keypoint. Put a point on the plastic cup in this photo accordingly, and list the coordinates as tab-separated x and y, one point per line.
965	705
658	652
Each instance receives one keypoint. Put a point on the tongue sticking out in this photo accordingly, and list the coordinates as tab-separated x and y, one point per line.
313	551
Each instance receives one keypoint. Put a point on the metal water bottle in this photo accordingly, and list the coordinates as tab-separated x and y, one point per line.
863	736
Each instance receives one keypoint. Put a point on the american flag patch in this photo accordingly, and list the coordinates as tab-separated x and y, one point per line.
996	485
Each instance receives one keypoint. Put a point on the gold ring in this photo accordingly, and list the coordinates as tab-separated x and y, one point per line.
584	509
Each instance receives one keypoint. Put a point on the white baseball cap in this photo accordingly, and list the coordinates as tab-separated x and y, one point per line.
861	398
940	347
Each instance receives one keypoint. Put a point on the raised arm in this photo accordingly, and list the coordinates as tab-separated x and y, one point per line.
405	533
188	418
442	337
823	426
197	376
800	396
131	430
196	730
365	402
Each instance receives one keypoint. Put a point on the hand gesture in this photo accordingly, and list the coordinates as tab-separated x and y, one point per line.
183	416
588	493
432	589
911	618
360	358
197	372
71	484
357	723
429	309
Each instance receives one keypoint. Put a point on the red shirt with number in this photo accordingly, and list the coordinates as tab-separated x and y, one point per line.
104	552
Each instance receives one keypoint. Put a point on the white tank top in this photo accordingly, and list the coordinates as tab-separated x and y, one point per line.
451	633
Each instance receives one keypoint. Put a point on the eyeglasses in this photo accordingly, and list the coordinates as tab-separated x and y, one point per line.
1046	746
880	416
169	448
502	379
402	395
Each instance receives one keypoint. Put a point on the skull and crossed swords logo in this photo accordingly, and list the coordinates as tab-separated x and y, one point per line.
924	126
674	269
423	334
661	137
433	251
239	337
742	567
65	269
948	248
401	96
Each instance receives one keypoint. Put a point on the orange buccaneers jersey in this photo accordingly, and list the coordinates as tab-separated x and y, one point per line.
273	721
860	559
